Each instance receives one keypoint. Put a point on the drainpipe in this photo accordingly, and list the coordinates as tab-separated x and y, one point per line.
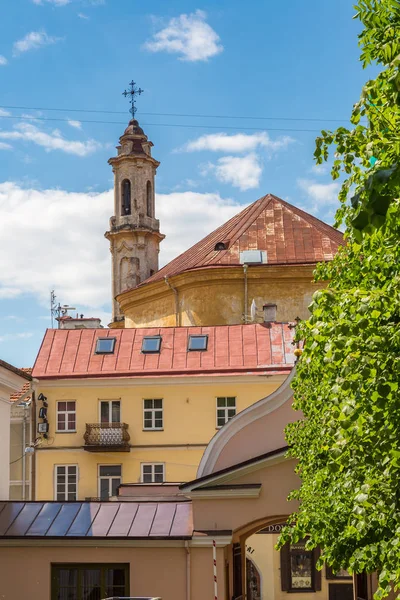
23	454
175	291
245	267
188	569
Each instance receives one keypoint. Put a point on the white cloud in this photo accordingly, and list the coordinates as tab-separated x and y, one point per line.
55	2
76	124
8	337
237	143
3	60
322	169
50	141
4	146
32	41
323	194
241	172
4	113
83	16
65	248
188	36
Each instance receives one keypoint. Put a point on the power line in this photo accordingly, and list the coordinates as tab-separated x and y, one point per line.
199	116
28	118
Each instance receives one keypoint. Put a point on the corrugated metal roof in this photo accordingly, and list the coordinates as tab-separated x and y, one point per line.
287	234
96	520
241	349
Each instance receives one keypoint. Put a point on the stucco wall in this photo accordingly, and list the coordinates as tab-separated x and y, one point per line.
5	408
153	571
216	296
189	424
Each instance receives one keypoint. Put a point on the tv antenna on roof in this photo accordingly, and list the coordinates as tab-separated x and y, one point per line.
57	310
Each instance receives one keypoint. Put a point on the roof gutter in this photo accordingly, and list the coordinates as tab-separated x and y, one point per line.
175	292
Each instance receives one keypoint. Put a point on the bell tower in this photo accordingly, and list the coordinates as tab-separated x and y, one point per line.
134	233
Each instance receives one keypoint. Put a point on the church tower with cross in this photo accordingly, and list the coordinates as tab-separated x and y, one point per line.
134	233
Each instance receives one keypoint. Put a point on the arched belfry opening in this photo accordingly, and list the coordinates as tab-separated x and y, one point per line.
149	199
126	197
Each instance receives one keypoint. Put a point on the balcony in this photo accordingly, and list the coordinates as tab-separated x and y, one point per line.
107	437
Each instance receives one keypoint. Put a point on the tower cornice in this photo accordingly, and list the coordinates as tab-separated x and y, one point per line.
133	157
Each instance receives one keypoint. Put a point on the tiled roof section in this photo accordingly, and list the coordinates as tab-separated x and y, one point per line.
242	349
288	235
17	395
132	520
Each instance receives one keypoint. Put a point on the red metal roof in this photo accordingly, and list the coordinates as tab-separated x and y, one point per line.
155	520
288	235
241	349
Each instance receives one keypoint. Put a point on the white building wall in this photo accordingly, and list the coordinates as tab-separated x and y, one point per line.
5	416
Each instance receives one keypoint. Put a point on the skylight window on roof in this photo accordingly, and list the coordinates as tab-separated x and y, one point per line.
253	257
198	342
151	344
105	346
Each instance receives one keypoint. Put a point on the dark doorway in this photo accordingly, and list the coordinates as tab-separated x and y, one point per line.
340	591
253	581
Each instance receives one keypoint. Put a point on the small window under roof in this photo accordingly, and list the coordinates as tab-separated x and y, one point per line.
197	342
220	246
151	344
254	257
105	345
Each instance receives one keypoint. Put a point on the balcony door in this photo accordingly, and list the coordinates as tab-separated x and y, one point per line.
110	414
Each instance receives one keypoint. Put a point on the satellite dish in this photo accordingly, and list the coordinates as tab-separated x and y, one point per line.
253	310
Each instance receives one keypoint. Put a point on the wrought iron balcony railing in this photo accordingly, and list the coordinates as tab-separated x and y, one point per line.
112	437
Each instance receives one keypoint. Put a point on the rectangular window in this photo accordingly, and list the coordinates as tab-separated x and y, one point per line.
151	344
153	472
226	409
110	411
298	572
105	345
109	480
66	483
84	581
153	414
197	342
66	416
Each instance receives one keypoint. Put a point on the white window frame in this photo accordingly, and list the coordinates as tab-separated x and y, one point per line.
110	408
152	465
153	418
66	482
225	408
66	413
109	477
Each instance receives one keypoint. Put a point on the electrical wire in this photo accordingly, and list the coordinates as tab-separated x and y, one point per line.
288	130
197	116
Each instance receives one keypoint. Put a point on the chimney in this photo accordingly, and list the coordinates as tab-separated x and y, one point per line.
269	313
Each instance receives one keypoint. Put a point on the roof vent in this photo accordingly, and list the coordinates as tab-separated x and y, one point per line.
220	246
269	313
253	257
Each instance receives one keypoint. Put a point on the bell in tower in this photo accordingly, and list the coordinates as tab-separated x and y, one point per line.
134	233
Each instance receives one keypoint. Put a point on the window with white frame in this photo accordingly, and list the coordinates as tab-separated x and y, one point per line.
153	472
226	409
66	482
153	413
109	480
66	416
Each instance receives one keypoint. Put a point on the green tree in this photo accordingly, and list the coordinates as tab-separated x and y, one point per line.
347	383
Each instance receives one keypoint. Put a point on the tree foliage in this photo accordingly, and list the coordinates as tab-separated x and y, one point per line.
347	382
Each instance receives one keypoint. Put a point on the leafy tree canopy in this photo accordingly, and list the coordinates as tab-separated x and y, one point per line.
347	382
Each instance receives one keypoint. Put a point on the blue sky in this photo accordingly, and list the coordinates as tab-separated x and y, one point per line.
289	62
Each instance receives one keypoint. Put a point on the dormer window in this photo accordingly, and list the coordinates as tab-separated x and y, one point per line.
105	346
220	246
151	344
197	342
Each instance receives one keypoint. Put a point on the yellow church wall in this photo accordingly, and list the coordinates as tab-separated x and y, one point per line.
189	422
216	296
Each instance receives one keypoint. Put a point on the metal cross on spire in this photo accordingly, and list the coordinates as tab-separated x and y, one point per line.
133	92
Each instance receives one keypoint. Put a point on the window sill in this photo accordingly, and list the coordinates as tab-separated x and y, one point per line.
153	429
69	431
